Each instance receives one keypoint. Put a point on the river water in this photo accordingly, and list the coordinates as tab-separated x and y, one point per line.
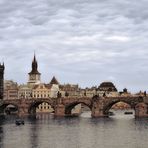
45	131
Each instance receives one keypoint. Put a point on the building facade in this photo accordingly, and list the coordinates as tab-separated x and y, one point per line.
25	91
88	92
10	90
42	91
69	90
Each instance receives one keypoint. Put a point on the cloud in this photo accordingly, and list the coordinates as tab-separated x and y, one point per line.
118	38
80	41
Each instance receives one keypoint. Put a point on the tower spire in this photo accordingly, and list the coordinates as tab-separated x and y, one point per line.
34	59
34	66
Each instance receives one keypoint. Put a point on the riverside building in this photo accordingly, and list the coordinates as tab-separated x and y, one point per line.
10	90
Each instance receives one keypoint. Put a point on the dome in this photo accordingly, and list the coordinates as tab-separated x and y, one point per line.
107	86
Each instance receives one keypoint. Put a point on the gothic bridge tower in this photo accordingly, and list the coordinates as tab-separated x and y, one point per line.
2	67
34	75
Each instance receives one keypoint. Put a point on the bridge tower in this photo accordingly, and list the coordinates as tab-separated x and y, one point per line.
2	68
34	75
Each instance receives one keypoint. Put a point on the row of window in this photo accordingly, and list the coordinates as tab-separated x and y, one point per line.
41	91
41	95
44	107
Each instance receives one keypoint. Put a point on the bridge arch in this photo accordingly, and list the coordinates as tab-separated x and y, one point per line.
5	105
69	107
35	104
109	105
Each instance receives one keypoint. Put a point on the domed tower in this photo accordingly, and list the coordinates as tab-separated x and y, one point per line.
2	68
34	75
107	87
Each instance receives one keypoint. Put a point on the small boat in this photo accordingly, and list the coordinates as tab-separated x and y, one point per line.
19	122
128	113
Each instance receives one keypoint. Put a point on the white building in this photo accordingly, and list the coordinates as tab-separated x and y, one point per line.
25	91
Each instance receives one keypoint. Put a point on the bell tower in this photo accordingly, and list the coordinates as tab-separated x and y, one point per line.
2	68
34	75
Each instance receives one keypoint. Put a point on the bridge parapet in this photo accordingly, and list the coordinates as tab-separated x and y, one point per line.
72	100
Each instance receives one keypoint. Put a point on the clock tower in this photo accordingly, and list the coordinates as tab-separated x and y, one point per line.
34	75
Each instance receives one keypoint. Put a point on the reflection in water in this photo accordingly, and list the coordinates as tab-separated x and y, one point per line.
86	114
45	131
34	134
125	114
1	132
1	136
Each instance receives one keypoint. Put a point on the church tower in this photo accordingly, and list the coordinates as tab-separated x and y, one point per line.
2	68
34	75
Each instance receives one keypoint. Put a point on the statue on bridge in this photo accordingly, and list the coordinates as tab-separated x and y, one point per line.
59	100
95	98
59	95
145	93
104	94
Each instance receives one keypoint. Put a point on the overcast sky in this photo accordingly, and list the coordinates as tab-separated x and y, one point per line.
79	41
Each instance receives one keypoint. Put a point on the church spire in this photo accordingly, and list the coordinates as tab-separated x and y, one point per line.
34	59
34	66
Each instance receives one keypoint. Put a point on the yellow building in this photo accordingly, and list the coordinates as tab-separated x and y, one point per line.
45	91
42	91
44	108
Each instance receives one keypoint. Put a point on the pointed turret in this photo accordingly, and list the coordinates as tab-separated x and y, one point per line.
54	81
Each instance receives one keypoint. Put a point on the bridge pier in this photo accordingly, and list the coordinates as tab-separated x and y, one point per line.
97	109
23	109
23	112
141	110
60	110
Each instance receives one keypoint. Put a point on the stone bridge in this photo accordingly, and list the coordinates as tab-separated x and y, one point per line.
99	106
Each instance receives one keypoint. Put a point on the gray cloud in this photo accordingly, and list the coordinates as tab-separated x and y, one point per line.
79	41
